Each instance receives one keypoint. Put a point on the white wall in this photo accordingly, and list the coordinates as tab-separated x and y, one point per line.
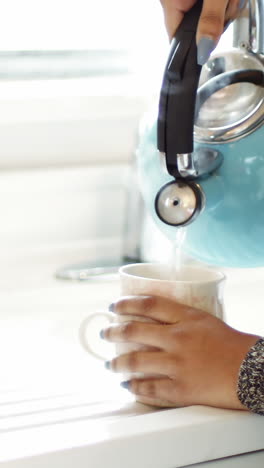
69	122
65	153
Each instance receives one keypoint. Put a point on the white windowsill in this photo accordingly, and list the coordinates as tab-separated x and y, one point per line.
60	407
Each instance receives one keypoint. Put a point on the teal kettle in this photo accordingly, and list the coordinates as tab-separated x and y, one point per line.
201	157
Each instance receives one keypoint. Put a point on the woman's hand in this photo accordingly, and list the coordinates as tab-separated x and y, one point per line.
215	15
195	356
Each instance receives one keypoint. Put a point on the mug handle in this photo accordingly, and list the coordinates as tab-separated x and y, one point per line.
83	337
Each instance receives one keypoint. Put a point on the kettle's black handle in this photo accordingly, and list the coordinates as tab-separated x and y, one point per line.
178	92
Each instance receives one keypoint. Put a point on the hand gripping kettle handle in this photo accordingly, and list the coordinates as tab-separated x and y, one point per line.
178	92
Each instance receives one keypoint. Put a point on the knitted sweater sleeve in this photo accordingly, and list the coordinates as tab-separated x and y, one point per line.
250	388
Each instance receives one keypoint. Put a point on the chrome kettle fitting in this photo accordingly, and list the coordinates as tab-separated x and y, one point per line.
180	202
256	27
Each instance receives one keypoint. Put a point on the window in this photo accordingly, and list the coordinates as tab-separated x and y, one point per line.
80	38
66	38
112	54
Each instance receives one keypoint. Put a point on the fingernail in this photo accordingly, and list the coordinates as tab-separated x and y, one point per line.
101	333
204	49
112	307
107	365
125	384
241	4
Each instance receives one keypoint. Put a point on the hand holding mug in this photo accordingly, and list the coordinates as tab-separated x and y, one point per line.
195	355
172	345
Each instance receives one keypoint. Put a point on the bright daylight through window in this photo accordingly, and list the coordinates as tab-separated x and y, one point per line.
65	38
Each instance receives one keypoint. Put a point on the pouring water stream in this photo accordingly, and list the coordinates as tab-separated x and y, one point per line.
176	262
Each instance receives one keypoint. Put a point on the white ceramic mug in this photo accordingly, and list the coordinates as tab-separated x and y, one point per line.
199	287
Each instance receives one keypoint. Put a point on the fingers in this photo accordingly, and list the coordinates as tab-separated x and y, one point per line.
215	16
158	363
173	19
174	12
147	334
154	402
211	23
234	9
158	391
210	28
231	10
160	309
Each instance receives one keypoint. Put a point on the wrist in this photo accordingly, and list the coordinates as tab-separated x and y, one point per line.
250	385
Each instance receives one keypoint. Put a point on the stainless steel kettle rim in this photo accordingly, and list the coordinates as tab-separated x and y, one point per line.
234	111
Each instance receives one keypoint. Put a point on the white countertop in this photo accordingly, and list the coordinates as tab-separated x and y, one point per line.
59	407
